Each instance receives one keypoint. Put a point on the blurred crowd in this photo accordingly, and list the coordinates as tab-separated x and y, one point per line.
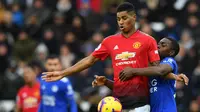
30	30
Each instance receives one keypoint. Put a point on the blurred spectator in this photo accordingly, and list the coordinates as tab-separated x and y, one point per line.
65	7
195	80
11	82
4	39
90	46
194	106
79	28
74	44
24	47
189	53
39	11
66	56
41	53
93	21
8	26
51	42
194	27
172	28
59	27
33	28
109	26
2	11
191	8
146	28
3	58
17	15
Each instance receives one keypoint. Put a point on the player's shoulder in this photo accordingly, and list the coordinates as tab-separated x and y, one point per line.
111	37
65	80
169	59
22	89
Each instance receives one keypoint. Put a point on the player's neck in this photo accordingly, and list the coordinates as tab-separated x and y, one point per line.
128	34
31	84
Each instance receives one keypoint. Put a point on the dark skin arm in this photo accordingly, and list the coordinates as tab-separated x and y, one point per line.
160	70
79	66
109	84
102	80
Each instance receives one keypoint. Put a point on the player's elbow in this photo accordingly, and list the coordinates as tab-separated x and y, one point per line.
162	72
90	60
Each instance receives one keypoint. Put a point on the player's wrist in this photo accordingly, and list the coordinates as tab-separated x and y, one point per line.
62	73
106	81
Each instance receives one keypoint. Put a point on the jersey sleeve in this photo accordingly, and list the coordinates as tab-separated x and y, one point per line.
101	51
153	54
170	62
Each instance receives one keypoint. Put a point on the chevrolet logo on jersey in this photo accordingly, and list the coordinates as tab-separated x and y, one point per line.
125	55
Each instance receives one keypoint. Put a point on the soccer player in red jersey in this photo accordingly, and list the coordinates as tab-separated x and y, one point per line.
28	97
130	48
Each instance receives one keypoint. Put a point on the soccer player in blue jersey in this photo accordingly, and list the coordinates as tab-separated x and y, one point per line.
162	90
56	96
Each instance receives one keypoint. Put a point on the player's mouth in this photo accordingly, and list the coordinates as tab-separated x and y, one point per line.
121	27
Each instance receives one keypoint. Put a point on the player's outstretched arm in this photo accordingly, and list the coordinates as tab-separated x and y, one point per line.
102	80
180	77
79	66
160	70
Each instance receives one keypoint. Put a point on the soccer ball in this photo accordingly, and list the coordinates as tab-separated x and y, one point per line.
109	104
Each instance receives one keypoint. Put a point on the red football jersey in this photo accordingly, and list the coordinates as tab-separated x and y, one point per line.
136	51
28	98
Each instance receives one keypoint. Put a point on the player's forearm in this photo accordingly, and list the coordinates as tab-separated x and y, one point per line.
160	70
170	76
109	84
79	66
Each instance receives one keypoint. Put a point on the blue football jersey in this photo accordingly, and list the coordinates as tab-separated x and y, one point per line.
57	96
162	91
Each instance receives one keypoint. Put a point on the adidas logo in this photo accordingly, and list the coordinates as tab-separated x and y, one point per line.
116	47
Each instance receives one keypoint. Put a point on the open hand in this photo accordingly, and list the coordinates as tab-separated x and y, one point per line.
126	74
182	78
52	76
99	81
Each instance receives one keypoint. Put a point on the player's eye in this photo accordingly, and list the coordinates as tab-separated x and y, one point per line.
124	18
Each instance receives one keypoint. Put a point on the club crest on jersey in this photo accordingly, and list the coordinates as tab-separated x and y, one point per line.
125	55
136	45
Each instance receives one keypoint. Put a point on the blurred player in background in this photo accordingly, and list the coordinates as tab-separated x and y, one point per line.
28	97
56	96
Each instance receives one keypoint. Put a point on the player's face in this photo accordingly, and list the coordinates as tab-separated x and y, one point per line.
29	75
164	48
125	21
53	65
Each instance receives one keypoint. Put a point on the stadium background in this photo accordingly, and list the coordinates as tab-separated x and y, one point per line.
32	30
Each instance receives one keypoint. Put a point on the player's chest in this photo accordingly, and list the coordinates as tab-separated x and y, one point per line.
30	98
51	89
127	49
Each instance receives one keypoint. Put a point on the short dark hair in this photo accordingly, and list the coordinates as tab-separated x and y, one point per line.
126	6
53	57
174	45
34	64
